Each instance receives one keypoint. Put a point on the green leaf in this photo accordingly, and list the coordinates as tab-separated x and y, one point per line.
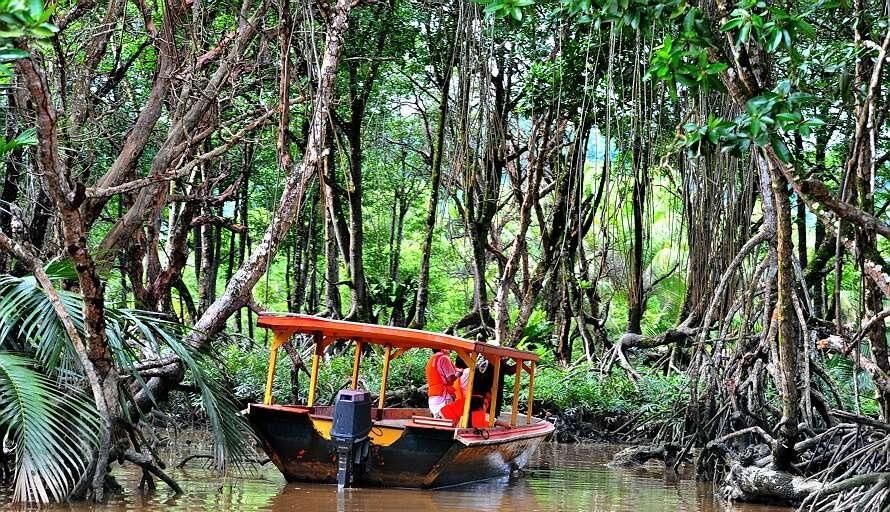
775	41
732	24
743	34
780	148
12	54
44	31
788	117
53	429
26	138
493	8
35	8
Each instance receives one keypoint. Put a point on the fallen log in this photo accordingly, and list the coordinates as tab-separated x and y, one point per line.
639	455
754	484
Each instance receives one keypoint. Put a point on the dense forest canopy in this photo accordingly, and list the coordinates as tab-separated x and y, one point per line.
636	187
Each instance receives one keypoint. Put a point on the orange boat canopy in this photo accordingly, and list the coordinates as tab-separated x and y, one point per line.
286	325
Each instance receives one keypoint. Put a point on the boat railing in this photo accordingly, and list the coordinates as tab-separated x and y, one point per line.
395	342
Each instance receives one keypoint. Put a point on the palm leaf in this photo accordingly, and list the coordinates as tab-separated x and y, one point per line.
231	432
54	432
27	316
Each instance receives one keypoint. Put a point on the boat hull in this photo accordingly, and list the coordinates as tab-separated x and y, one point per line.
298	442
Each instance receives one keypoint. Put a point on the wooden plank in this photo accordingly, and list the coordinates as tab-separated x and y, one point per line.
434	422
397	353
531	394
495	392
270	376
465	416
469	360
517	380
313	377
278	340
387	357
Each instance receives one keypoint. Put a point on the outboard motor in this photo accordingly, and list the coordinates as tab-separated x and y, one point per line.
352	424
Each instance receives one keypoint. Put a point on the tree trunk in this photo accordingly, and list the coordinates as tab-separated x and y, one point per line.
67	197
788	332
635	293
238	290
361	304
209	264
432	210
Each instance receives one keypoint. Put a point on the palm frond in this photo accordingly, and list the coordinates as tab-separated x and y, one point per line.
231	432
54	431
27	316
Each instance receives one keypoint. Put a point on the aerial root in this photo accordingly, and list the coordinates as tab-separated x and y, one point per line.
149	467
844	467
201	456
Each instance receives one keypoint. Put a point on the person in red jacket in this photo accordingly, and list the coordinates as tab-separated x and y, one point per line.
440	375
478	411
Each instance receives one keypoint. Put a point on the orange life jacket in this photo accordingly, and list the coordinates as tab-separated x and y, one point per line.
453	410
437	385
479	419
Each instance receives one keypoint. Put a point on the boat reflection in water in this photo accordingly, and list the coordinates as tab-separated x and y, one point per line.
393	447
492	495
559	478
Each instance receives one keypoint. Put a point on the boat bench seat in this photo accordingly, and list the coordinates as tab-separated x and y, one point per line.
432	422
394	423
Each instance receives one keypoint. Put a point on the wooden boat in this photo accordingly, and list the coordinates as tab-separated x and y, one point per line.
405	447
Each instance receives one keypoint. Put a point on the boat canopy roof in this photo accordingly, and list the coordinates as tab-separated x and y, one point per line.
397	337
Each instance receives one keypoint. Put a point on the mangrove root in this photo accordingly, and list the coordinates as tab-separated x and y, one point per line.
751	483
147	465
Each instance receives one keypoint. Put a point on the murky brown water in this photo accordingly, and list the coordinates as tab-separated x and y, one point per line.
559	478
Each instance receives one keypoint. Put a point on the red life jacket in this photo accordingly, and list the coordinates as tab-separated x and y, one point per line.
437	385
453	410
478	419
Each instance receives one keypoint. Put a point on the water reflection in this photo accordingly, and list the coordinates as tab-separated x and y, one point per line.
559	478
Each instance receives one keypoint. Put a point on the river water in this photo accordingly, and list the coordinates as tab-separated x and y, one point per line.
558	478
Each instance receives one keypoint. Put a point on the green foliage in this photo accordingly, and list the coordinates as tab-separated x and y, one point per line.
767	119
685	59
28	323
537	331
52	427
632	14
26	138
842	372
20	24
507	8
770	26
581	387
